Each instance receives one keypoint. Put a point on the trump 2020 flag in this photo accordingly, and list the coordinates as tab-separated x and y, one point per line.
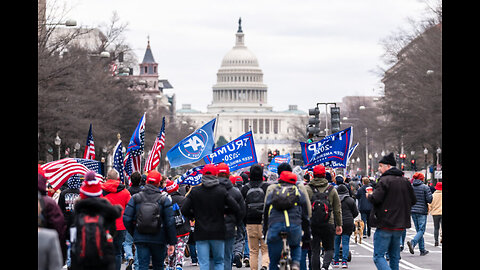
277	160
135	149
193	147
191	177
237	154
332	151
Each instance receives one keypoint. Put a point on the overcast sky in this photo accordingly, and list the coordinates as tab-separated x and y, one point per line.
309	51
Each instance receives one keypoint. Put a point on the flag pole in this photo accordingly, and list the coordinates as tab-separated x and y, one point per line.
215	131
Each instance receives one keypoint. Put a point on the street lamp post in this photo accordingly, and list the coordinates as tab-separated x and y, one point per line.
425	152
58	141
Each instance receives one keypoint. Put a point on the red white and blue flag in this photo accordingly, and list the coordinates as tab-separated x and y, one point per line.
59	171
118	160
89	152
132	161
156	153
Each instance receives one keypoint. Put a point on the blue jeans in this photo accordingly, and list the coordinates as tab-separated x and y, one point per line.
420	222
204	248
193	253
127	247
227	255
156	251
386	241
275	244
345	247
117	245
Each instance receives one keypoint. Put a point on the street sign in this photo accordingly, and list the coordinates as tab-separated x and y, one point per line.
438	175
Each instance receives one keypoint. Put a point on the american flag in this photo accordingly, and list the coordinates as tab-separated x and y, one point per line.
59	171
89	152
118	160
135	149
154	157
191	177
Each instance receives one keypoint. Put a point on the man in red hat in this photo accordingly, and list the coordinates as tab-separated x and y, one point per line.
208	204
149	219
324	233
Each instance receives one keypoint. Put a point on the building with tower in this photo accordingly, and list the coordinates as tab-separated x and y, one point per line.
239	98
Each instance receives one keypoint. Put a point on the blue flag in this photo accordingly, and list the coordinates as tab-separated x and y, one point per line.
277	160
193	147
332	151
191	177
237	154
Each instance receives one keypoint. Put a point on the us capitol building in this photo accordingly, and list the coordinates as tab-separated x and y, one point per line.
240	100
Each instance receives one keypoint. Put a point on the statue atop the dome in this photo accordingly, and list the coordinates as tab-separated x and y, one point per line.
240	25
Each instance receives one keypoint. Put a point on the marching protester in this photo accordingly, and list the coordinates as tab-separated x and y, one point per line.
323	227
182	226
135	180
364	205
254	194
232	220
349	212
207	204
94	215
49	252
435	209
285	211
149	219
419	213
51	212
392	201
116	193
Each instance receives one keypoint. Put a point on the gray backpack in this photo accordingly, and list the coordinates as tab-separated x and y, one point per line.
149	214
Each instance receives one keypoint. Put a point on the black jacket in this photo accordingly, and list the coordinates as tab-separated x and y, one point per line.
178	199
392	201
206	204
349	211
245	188
231	220
423	195
94	205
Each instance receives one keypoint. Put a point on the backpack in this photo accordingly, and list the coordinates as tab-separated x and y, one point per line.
321	207
149	218
254	199
93	242
177	215
285	197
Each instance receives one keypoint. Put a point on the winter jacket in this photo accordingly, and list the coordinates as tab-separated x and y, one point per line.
349	211
392	200
178	199
231	221
435	208
423	195
206	204
301	187
363	203
167	233
114	191
245	189
99	206
321	185
135	189
296	215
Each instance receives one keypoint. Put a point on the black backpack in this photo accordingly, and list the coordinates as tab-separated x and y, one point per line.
321	206
93	245
285	197
254	199
149	214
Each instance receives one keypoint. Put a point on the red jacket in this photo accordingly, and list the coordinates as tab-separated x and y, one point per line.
116	193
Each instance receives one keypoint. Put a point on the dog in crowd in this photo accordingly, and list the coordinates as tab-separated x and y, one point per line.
359	226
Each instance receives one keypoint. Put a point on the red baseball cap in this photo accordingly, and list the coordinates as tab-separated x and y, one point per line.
319	170
288	177
209	169
223	168
154	177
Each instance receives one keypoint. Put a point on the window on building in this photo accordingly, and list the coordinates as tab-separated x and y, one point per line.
245	125
267	126
260	126
146	69
275	126
254	128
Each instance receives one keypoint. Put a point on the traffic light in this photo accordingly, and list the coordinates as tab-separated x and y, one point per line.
313	127
335	119
297	159
414	165
270	155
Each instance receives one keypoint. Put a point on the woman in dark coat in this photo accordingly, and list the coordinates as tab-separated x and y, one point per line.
349	212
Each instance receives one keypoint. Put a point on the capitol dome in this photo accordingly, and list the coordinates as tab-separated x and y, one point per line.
239	84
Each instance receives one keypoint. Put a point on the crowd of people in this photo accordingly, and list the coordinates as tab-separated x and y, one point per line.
229	220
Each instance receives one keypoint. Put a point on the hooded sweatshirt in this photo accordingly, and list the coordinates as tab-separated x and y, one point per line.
114	191
423	195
